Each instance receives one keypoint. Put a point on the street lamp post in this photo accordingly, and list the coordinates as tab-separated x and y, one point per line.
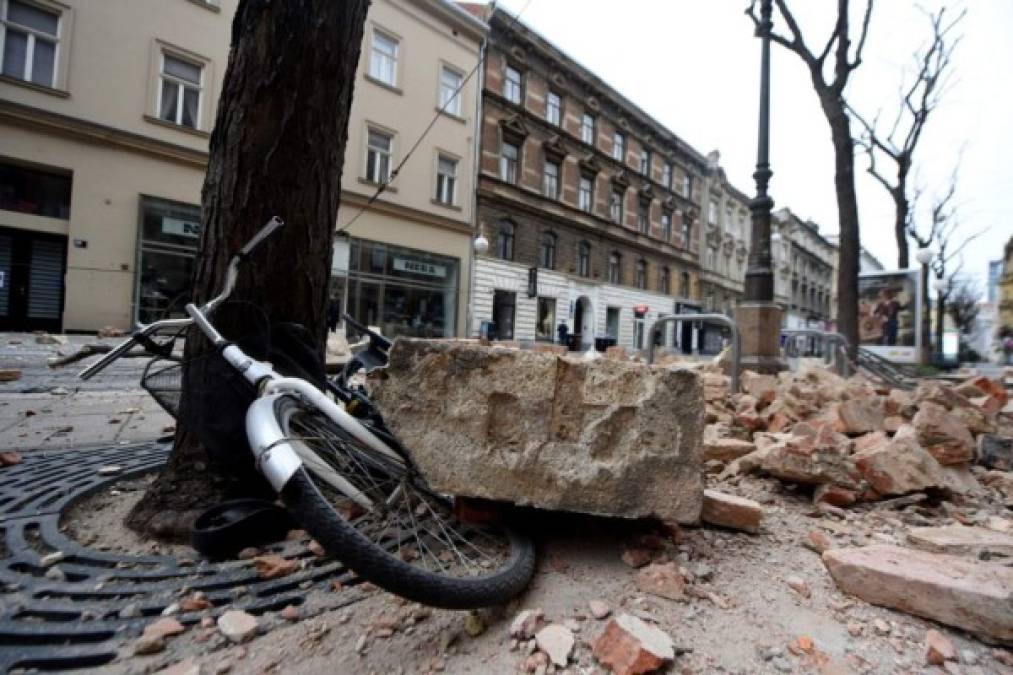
759	317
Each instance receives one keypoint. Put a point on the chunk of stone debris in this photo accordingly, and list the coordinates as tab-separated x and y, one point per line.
9	458
9	374
51	559
526	624
662	579
860	415
737	513
148	644
938	648
557	641
726	449
165	627
603	437
899	465
630	646
995	452
599	609
185	667
969	594
944	436
273	566
962	540
237	625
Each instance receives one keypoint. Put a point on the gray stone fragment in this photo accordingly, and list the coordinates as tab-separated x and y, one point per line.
604	437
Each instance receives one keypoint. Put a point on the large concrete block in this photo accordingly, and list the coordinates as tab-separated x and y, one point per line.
604	437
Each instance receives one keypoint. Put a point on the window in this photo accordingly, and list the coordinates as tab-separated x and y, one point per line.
505	241
503	304
38	193
550	180
687	230
619	146
585	194
687	185
684	284
545	326
712	258
666	175
666	225
616	205
615	270
645	162
612	322
712	212
641	279
644	216
508	157
664	281
512	85
180	93
30	37
378	151
587	128
584	259
729	223
446	179
554	109
450	95
547	251
383	58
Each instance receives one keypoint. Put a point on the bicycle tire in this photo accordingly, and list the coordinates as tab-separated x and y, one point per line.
374	563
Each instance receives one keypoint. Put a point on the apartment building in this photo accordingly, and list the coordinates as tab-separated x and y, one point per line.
106	110
725	250
590	206
807	267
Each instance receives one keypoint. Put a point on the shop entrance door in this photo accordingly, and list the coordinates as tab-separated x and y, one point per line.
31	280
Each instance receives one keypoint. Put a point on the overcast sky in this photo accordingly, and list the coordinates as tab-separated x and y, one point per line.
694	66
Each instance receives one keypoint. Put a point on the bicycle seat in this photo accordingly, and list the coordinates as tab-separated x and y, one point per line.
227	528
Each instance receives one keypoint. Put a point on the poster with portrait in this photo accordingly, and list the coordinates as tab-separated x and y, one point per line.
888	311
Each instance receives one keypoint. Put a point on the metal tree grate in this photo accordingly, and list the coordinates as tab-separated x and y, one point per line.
76	622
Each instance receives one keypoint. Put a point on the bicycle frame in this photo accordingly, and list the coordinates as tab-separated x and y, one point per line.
277	457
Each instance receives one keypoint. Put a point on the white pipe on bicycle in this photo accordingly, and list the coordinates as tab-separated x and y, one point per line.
336	413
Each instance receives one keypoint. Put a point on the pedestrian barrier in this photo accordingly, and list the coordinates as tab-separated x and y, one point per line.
712	318
835	346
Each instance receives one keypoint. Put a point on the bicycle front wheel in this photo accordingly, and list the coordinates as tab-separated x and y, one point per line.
394	530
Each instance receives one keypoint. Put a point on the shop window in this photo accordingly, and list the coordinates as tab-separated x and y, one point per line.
545	327
503	306
169	234
33	191
30	36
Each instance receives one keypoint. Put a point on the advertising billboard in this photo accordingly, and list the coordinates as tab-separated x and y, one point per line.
889	310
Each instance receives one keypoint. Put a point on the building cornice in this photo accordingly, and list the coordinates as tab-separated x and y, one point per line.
47	121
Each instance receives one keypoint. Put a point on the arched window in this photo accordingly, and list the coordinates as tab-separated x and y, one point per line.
663	280
641	274
547	251
505	240
615	268
584	259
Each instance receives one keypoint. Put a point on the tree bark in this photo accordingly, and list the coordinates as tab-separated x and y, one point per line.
277	149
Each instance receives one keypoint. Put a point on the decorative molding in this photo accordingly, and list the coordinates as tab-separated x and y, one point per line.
513	128
621	179
590	165
554	148
593	103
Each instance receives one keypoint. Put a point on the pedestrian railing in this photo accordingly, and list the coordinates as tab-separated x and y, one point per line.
708	318
834	346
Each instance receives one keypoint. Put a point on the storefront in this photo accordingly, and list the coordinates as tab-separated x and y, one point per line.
167	237
403	291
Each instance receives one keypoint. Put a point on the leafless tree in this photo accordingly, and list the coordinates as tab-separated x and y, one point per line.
830	69
277	148
963	304
898	142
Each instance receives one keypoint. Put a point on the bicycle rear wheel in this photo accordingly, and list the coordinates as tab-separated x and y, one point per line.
399	534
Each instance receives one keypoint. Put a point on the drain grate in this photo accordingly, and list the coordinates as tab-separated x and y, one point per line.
75	622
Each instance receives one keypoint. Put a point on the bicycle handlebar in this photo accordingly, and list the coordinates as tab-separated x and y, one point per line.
259	238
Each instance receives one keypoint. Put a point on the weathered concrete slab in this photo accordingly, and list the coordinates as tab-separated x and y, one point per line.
969	594
962	540
605	436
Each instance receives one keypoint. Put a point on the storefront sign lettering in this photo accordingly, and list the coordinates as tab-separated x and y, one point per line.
181	228
419	267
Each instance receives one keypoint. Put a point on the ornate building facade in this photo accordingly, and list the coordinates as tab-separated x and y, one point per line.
590	206
806	272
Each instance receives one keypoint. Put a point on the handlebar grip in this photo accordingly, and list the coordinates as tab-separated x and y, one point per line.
259	238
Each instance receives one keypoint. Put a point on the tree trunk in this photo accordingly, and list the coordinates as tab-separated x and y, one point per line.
847	213
940	321
901	208
277	149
